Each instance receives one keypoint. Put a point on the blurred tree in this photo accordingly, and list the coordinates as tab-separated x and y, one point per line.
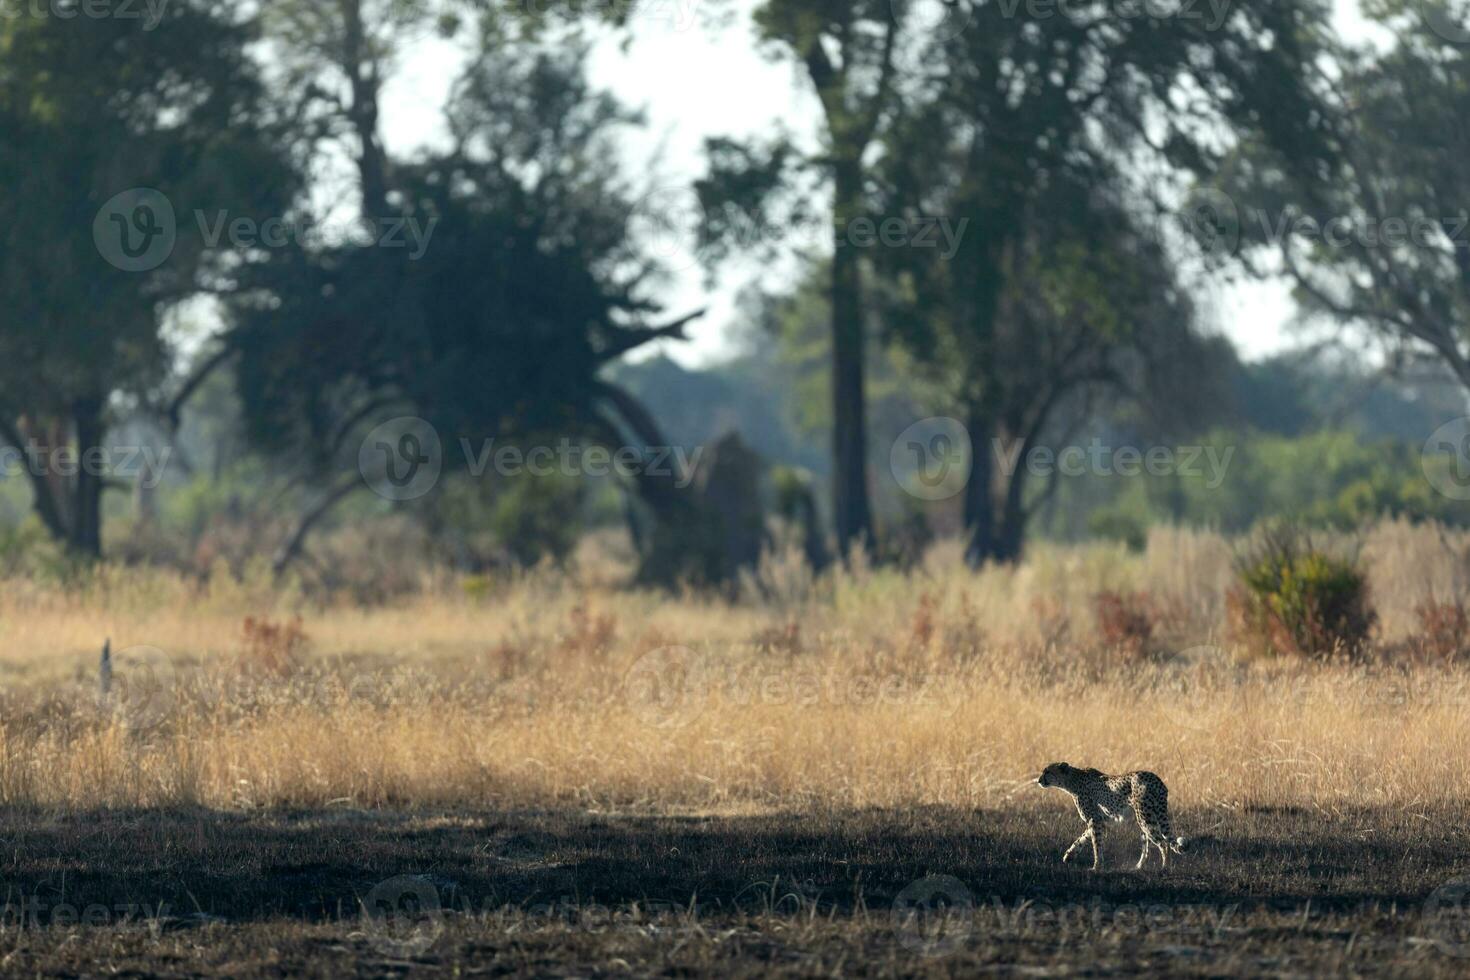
527	283
334	58
111	130
1040	144
1330	478
976	110
1303	391
847	52
1090	314
505	119
1383	239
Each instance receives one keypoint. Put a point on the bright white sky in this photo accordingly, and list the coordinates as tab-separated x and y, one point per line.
696	72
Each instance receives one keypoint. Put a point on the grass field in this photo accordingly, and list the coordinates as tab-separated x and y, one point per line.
551	775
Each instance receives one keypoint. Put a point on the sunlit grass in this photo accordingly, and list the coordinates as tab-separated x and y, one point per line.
868	688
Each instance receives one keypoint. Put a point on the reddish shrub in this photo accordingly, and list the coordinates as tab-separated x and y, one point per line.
1125	621
588	632
272	646
921	629
1444	630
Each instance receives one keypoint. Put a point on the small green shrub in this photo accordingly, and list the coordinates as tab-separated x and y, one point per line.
1295	600
26	550
537	516
477	588
1114	525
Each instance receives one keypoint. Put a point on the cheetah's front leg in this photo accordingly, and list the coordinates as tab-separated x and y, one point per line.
1144	856
1090	834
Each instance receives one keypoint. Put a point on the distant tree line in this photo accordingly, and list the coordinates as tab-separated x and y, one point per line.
1090	169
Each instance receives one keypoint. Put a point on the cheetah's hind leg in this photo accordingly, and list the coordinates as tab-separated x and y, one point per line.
1161	835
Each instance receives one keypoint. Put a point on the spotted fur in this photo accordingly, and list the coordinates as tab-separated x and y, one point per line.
1100	796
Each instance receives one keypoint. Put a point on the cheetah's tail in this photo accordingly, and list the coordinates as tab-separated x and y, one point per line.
1177	845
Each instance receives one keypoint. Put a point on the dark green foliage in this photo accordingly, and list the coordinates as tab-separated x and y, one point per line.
536	517
502	322
92	107
1298	393
529	280
1114	526
1232	480
1059	294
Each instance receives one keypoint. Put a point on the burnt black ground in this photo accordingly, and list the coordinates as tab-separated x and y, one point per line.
564	892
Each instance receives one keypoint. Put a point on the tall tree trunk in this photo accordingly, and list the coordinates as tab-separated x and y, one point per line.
32	441
1011	535
86	523
977	305
851	130
52	440
65	470
979	500
362	77
851	511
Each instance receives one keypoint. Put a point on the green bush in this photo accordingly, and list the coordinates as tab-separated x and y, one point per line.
1112	524
536	517
27	551
1295	600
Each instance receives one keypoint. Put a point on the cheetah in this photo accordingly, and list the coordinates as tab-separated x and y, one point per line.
1099	795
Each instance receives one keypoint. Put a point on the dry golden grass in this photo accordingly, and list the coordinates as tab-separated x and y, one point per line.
867	687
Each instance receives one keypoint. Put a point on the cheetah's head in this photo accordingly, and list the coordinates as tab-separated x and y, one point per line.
1054	774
